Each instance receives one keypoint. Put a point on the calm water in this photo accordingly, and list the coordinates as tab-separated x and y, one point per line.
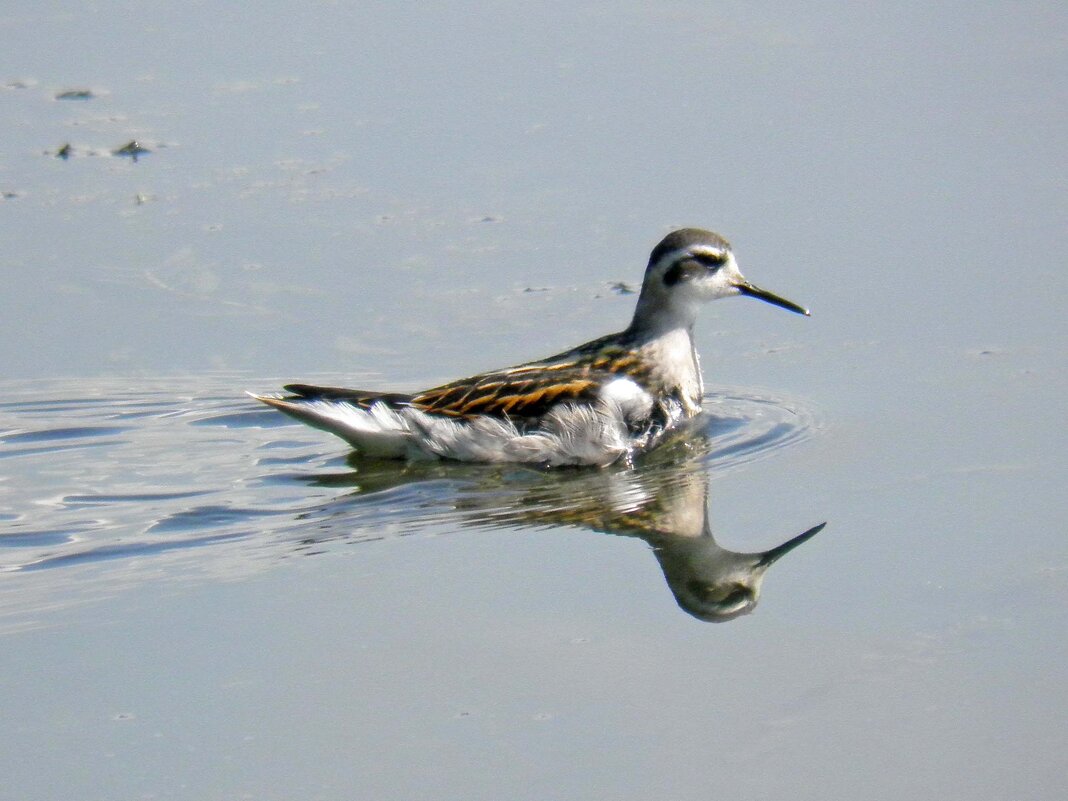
200	600
101	477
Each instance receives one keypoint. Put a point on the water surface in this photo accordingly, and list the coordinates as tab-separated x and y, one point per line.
200	600
159	472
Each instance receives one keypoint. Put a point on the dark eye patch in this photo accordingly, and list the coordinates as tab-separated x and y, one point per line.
693	266
679	271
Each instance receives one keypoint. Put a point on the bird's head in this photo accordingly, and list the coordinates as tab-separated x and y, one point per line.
691	266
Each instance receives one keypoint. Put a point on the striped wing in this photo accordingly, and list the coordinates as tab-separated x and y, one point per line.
518	393
524	392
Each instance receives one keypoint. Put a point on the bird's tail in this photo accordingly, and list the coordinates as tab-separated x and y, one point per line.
368	421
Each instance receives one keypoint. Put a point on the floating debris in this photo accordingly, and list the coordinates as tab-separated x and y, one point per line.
132	149
622	288
64	152
76	94
9	195
988	352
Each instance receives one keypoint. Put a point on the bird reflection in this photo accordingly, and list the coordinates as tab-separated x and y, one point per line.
663	501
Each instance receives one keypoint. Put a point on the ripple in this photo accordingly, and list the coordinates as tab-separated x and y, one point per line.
124	551
744	428
247	419
15	452
137	497
49	405
38	537
168	483
209	517
49	435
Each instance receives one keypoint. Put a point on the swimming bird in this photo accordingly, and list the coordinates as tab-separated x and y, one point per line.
606	399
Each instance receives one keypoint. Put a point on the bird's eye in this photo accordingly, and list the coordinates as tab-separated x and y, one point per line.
692	267
710	260
738	595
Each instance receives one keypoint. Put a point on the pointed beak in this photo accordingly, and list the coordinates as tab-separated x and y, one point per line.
776	553
754	291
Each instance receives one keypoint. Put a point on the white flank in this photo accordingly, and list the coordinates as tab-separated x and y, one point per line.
571	434
626	395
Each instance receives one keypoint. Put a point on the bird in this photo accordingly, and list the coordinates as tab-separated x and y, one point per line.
607	399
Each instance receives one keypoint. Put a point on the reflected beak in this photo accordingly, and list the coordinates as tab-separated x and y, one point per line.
754	291
774	554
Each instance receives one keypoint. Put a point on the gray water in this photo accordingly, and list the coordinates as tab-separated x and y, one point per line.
200	599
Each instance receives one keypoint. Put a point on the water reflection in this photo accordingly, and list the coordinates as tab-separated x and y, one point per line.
663	501
114	487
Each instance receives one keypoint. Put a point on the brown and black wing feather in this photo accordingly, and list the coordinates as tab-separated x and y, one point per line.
521	395
518	393
525	392
531	390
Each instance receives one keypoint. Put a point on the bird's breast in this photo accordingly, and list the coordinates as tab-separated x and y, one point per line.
673	371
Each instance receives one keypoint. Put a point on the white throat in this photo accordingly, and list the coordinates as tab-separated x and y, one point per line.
659	313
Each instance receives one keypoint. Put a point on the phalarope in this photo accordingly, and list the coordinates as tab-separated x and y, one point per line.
590	405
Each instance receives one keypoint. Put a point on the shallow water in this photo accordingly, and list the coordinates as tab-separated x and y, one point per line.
202	600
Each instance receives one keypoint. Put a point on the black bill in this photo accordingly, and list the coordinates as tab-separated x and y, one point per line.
753	291
768	557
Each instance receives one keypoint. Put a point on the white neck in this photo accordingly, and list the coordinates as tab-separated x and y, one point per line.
657	316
